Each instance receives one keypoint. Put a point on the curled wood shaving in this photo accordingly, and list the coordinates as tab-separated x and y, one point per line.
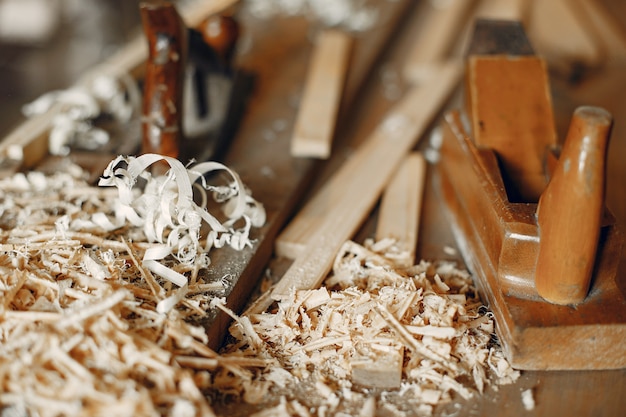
367	309
86	327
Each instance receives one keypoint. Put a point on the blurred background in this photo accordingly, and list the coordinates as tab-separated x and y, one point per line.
47	44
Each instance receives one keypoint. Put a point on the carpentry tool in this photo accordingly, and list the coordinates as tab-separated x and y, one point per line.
533	227
215	91
191	88
166	34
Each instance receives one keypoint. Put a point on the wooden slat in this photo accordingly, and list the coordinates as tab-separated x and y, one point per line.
436	38
319	106
401	207
30	138
339	208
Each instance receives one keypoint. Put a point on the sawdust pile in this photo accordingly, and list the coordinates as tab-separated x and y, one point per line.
87	329
374	339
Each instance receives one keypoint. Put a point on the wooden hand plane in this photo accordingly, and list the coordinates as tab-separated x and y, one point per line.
528	212
193	94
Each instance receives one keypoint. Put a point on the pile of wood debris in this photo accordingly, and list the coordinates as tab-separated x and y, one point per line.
376	338
87	329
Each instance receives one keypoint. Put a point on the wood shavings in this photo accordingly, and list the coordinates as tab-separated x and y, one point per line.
117	97
330	342
528	399
86	328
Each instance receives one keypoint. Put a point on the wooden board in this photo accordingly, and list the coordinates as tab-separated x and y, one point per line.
260	152
319	105
401	208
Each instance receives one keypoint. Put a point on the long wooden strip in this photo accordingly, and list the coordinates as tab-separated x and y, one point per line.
315	124
350	195
401	207
435	39
27	143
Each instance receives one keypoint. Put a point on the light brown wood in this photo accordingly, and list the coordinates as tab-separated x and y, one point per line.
500	237
401	207
570	210
499	241
319	105
436	38
340	207
385	371
498	87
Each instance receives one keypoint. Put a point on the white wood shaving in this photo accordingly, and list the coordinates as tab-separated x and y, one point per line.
118	98
86	327
528	399
367	309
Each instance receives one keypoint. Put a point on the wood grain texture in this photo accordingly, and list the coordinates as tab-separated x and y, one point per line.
499	242
497	88
319	105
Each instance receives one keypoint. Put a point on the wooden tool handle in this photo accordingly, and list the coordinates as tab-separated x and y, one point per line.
163	84
570	210
221	32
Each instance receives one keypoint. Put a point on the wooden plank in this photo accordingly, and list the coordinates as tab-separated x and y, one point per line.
319	106
29	139
401	207
350	195
435	39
